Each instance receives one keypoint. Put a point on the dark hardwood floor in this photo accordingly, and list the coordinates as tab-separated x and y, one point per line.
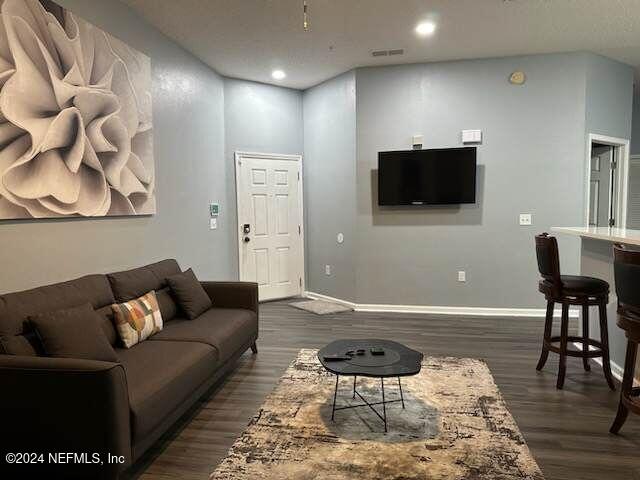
567	431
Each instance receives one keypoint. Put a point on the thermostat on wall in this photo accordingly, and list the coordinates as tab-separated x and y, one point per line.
472	136
214	209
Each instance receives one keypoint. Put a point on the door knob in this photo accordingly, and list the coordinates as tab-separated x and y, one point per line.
246	239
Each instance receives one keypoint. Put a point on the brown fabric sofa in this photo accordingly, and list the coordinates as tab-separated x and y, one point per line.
65	405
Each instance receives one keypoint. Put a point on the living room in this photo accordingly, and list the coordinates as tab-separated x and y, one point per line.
212	212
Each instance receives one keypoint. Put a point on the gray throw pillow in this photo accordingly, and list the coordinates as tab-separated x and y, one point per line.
189	294
73	333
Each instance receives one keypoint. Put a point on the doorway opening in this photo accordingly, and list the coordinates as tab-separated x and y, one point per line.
606	182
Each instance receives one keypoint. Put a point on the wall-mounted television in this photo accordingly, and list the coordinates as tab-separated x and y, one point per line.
440	176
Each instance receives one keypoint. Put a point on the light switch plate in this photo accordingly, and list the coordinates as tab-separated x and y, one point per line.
462	276
472	136
526	219
213	223
327	269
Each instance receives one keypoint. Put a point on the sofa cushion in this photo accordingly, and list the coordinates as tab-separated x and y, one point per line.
167	304
21	345
106	322
15	308
134	283
226	329
73	333
137	319
192	298
160	376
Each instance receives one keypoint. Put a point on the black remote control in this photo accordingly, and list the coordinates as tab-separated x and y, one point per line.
335	358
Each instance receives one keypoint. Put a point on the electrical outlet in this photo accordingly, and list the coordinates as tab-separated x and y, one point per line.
462	276
327	269
525	219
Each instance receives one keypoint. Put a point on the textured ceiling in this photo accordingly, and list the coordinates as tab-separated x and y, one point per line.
250	38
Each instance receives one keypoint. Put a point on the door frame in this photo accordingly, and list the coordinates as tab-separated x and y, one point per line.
621	154
239	155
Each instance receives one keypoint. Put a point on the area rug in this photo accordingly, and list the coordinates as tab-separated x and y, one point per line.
455	426
320	307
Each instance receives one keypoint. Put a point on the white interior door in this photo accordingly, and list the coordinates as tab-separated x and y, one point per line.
602	188
270	236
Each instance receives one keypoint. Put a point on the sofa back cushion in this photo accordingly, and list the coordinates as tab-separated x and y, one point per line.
168	306
15	309
134	283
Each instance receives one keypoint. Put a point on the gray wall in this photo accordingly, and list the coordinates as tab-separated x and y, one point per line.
531	161
189	143
609	97
258	118
330	185
635	135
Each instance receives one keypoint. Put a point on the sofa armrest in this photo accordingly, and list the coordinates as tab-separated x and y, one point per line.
233	294
60	406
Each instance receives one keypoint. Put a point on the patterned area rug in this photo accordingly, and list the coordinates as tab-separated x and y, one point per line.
455	426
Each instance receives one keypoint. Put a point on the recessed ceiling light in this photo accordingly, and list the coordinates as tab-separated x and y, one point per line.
425	28
278	74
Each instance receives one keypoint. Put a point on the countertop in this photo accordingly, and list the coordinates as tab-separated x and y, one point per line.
610	234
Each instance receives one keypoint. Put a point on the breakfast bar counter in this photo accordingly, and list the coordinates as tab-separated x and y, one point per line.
596	260
608	234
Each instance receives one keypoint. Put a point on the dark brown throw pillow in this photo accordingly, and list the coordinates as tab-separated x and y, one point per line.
190	295
73	333
19	345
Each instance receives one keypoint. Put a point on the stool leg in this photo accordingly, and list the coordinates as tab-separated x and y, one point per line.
604	339
627	385
564	333
585	336
548	324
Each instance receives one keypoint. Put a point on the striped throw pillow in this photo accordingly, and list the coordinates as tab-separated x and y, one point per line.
137	319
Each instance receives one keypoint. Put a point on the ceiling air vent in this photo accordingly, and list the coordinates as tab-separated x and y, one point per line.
387	53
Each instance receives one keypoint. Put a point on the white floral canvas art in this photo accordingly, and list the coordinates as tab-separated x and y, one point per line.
76	136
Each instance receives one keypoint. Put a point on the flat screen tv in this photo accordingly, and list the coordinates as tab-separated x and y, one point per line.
440	176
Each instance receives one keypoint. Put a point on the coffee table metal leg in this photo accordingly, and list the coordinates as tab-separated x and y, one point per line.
354	385
384	407
401	396
335	393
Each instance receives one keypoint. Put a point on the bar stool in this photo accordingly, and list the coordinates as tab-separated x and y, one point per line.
571	290
627	274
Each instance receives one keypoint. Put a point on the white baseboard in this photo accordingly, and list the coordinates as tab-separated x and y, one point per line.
616	370
441	310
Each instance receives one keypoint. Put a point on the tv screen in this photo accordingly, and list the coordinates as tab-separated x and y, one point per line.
438	176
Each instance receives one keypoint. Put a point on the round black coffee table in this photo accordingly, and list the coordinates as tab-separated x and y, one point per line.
356	357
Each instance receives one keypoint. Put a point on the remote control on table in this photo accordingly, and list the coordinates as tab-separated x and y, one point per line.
335	358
